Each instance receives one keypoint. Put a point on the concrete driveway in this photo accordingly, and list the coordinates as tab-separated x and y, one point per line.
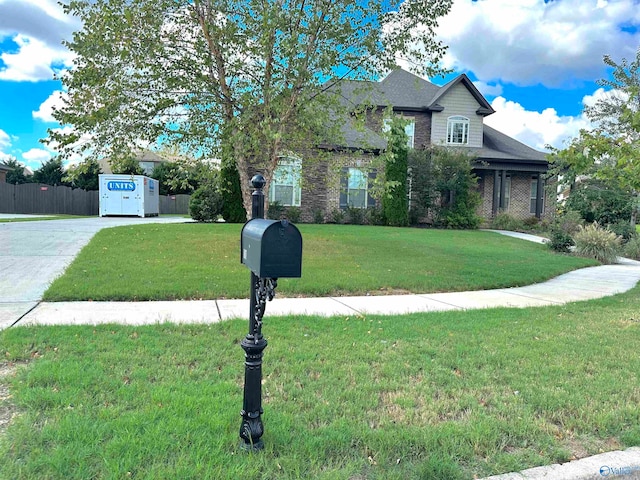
33	254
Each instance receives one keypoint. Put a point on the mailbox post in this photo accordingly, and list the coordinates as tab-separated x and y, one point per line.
271	249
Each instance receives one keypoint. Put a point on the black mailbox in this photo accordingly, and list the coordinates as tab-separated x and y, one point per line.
271	248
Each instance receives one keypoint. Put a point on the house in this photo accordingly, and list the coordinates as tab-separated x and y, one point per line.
510	174
148	161
3	172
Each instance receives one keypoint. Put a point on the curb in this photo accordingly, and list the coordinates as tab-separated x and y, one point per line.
623	464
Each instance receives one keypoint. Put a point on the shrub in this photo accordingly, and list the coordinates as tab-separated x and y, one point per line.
458	219
569	222
276	211
293	214
206	204
632	248
531	223
595	242
394	201
336	216
355	216
375	216
623	229
560	241
504	221
562	230
443	188
318	216
600	202
233	209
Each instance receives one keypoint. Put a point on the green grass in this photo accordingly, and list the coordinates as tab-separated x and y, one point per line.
436	396
192	261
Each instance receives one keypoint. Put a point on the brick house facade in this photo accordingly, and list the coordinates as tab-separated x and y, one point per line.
333	177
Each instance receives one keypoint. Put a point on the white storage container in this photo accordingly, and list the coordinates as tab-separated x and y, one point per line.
133	195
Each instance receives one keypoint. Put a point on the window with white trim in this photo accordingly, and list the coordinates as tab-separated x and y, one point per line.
458	130
409	128
286	183
357	188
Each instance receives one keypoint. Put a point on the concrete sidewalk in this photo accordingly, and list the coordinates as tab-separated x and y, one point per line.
584	284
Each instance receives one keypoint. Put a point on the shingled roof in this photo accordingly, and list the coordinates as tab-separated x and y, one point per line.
407	92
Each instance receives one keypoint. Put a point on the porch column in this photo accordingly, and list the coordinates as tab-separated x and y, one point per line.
496	196
503	188
539	197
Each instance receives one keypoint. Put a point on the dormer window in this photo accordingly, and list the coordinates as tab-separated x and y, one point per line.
457	130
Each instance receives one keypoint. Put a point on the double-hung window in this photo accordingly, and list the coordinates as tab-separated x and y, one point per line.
458	130
534	196
507	190
285	187
357	188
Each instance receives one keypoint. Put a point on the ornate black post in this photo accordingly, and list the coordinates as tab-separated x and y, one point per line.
251	429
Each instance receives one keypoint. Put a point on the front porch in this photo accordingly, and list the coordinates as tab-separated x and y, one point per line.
520	193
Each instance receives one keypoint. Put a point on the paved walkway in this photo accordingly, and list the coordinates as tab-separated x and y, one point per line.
583	284
33	254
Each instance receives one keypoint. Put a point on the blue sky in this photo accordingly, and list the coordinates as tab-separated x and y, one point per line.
536	62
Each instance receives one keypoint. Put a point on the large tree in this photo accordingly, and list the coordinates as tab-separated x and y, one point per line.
16	175
84	175
611	151
50	172
246	80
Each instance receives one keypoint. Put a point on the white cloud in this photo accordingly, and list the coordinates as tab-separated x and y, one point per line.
33	61
45	112
535	129
5	144
602	94
50	7
527	42
5	140
41	19
36	155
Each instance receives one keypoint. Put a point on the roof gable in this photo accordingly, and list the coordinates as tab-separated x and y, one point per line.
484	106
403	90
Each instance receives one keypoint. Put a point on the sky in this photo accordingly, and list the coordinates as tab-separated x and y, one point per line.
536	62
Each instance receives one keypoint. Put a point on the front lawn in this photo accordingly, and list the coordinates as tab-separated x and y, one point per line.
193	261
436	396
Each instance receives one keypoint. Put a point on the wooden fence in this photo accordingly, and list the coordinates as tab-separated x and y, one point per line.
35	198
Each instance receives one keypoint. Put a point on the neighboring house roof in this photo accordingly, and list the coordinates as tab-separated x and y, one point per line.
4	167
141	156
